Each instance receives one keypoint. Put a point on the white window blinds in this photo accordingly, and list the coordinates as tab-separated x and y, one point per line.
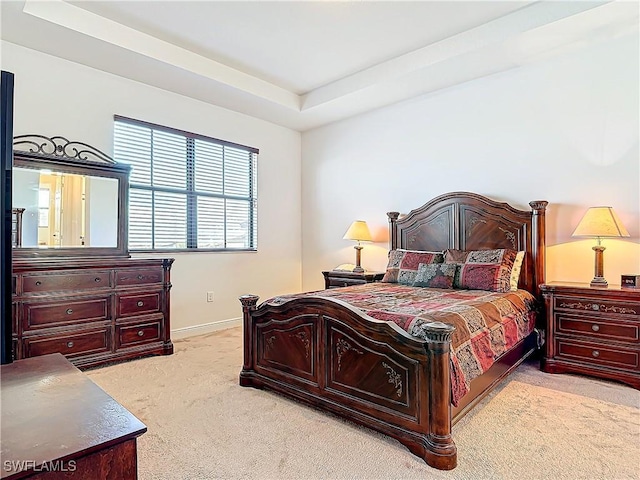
187	191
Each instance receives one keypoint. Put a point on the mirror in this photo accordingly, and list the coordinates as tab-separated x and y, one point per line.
65	209
68	199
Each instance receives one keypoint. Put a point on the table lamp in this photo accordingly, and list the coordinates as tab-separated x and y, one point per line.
600	222
358	231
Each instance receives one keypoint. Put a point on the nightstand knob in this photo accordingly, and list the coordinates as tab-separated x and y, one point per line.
345	284
70	344
595	307
595	328
140	303
595	353
141	333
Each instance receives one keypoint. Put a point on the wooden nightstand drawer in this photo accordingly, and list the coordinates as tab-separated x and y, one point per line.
343	278
596	305
344	282
598	354
598	328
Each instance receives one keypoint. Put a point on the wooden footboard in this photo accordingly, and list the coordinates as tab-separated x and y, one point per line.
330	355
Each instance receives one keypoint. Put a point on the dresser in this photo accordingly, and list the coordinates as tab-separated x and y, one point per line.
593	331
345	278
92	311
75	289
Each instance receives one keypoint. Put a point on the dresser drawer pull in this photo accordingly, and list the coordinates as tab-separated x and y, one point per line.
140	277
595	328
345	284
140	303
69	311
97	279
595	353
38	283
141	333
595	306
70	344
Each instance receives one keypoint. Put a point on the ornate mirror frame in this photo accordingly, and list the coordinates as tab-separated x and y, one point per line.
59	154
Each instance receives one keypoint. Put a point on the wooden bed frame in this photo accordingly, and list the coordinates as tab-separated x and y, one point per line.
331	355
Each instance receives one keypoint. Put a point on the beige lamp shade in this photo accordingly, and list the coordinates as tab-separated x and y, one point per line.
358	231
600	222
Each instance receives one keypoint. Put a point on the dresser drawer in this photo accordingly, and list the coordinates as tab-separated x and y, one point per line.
131	335
64	311
69	344
138	304
139	277
593	327
595	353
596	305
65	281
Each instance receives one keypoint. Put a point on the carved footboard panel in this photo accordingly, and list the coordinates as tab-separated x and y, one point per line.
332	356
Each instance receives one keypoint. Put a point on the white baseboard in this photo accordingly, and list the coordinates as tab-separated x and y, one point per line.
185	332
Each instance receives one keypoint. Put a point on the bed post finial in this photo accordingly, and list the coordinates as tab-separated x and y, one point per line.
393	231
442	453
249	303
539	244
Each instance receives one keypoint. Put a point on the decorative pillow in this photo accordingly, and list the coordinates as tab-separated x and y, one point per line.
483	269
403	264
515	272
435	275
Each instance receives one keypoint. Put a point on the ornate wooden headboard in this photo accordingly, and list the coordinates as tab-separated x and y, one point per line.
469	221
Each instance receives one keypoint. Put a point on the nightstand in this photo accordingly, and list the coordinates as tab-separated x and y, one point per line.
344	278
593	331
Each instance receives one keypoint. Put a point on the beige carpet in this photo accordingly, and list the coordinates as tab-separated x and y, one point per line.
202	425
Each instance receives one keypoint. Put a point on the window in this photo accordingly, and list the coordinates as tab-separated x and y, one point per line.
187	191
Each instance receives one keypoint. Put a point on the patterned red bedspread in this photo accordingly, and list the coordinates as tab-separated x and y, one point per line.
488	324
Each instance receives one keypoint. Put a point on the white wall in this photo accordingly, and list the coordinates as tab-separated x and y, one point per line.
563	130
58	97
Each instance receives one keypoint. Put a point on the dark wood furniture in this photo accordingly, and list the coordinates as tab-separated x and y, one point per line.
93	311
593	331
91	303
56	423
300	347
344	278
16	226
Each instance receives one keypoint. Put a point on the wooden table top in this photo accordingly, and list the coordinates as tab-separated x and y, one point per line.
52	411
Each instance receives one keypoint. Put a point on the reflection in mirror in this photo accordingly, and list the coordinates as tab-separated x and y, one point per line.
66	210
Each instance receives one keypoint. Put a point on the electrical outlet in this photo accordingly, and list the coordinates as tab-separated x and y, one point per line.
209	296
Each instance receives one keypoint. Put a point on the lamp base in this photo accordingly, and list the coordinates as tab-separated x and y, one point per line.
358	268
599	282
598	278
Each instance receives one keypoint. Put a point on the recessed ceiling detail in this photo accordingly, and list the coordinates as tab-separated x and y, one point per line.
305	64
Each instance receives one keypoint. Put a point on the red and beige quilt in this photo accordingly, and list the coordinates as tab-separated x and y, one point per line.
488	324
